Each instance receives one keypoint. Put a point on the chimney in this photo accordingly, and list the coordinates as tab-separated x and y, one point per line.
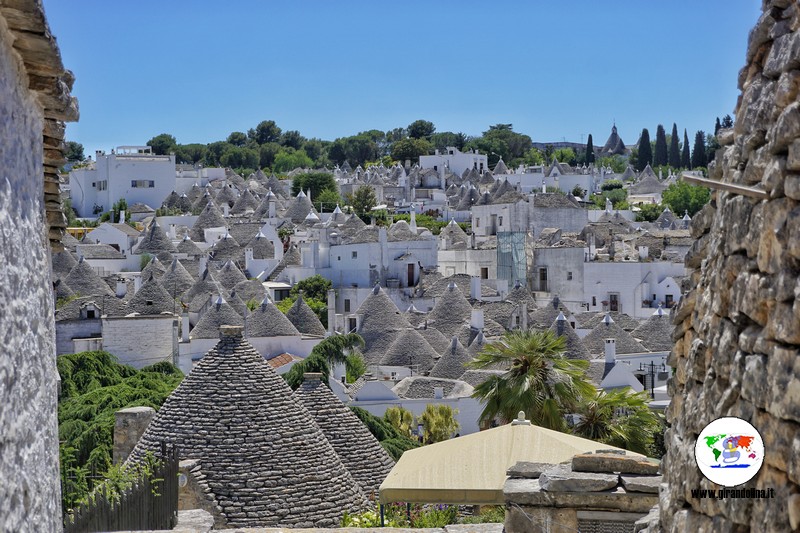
271	208
561	323
611	350
331	311
129	425
438	393
172	231
413	224
476	320
644	251
225	209
202	263
523	318
475	288
121	216
122	288
312	376
227	331
248	257
185	327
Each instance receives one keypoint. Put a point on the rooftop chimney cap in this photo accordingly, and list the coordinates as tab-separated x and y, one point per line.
230	331
521	420
312	376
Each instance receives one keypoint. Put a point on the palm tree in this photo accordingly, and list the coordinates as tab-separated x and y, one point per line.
619	417
330	351
539	379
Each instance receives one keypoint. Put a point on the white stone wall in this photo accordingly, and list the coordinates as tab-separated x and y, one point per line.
66	330
140	341
30	495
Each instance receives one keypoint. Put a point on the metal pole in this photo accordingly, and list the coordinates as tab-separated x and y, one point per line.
382	520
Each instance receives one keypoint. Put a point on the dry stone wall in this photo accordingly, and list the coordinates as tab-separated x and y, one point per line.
737	328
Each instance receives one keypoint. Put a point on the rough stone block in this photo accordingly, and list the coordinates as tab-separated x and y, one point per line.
527	470
786	129
606	463
791	186
783	375
648	484
561	478
784	55
793	160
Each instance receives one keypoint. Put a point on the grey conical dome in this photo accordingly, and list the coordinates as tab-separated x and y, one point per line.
436	339
63	262
205	285
226	248
226	195
360	452
188	247
299	208
229	275
156	243
304	318
246	202
84	281
262	247
381	323
608	329
574	348
263	461
452	363
451	311
411	350
154	268
176	280
251	289
655	333
210	217
218	314
266	320
152	299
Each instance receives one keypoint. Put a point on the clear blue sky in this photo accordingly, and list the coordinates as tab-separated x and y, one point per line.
555	70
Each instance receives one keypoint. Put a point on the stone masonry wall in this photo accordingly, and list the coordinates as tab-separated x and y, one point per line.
30	497
737	329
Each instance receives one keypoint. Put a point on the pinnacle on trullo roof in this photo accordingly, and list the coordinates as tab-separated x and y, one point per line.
262	458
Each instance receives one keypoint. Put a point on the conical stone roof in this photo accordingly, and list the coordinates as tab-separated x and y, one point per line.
360	452
176	279
451	311
63	262
655	333
156	243
154	268
152	299
608	329
205	285
574	348
262	247
436	339
226	248
263	459
229	275
266	320
188	247
452	363
210	217
84	281
410	349
381	323
251	289
246	202
220	313
226	195
299	208
304	318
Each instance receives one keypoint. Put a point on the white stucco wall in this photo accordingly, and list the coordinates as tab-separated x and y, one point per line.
140	341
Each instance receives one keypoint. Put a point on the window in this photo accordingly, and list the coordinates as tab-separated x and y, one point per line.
477	223
102	185
355	254
351	324
484	272
90	313
142	184
569	276
347	305
500	221
594	301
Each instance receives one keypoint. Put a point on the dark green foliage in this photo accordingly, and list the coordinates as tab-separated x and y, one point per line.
660	154
589	150
649	212
93	387
410	149
316	181
362	200
316	287
727	122
444	139
686	161
266	132
645	151
330	351
682	197
162	144
674	158
610	185
391	440
320	307
699	150
421	129
292	139
237	138
327	200
717	127
288	159
73	151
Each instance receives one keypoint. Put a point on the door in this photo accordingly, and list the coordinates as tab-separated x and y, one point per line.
543	279
410	282
613	302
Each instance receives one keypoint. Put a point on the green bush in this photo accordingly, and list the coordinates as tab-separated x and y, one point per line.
391	440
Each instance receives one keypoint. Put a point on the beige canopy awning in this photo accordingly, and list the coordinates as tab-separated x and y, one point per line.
471	470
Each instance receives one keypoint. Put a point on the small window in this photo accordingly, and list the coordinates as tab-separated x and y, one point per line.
499	221
355	254
347	305
90	313
484	272
569	276
477	223
338	257
351	324
148	302
594	301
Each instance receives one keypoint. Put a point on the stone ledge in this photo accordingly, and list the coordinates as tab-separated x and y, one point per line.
527	492
607	462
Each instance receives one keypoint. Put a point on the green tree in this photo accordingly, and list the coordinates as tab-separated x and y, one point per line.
682	197
686	162
649	212
540	380
534	156
438	423
327	200
566	155
421	129
410	148
190	153
391	440
674	158
289	159
267	153
292	139
617	163
717	127
727	122
589	150
316	149
239	157
442	140
618	417
362	200
162	144
645	151
355	367
316	181
237	138
266	132
712	145
73	151
315	287
610	185
323	356
699	150
401	419
578	191
660	156
215	152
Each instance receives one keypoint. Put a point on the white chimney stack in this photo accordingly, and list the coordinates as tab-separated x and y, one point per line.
643	252
331	312
611	350
185	327
137	284
121	216
225	209
476	321
438	393
122	288
475	288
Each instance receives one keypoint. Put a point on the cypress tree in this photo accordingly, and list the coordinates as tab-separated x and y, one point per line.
645	151
717	127
660	155
699	150
589	150
674	150
685	161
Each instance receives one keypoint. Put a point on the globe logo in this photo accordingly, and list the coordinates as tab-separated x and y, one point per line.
729	451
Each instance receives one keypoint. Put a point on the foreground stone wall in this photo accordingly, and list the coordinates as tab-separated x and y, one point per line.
738	326
29	480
